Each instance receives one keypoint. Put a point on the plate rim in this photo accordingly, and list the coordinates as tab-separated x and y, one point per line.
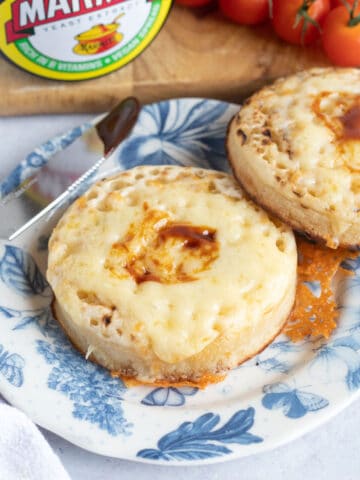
269	444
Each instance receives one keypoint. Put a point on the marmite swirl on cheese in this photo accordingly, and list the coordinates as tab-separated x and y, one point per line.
170	274
295	148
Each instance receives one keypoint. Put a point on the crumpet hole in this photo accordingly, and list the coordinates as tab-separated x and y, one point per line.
92	195
119	185
280	243
355	185
313	192
104	206
88	297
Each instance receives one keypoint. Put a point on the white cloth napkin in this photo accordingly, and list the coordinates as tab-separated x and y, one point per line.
24	452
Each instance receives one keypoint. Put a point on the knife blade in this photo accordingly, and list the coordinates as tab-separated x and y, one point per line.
63	175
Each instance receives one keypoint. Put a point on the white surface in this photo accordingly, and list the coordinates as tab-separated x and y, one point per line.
24	453
331	451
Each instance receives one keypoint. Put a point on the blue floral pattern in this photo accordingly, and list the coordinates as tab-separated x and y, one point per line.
293	402
277	357
352	264
298	382
198	440
11	367
97	398
42	318
38	158
180	132
171	396
19	271
344	352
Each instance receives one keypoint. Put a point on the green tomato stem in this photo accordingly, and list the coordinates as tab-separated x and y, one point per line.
354	21
302	14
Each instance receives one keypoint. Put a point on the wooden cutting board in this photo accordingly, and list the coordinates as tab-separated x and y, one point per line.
195	54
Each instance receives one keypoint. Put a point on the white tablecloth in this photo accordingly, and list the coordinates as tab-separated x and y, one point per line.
330	452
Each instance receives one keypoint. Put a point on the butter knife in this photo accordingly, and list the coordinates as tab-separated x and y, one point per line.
66	172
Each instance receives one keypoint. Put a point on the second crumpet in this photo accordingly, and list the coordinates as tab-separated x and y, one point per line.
295	148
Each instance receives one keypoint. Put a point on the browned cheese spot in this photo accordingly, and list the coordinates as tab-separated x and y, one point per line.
345	126
162	251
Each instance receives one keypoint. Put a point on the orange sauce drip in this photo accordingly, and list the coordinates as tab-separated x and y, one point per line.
202	383
351	123
192	236
345	127
314	316
201	239
157	250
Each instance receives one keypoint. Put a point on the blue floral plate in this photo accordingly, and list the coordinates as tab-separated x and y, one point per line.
271	399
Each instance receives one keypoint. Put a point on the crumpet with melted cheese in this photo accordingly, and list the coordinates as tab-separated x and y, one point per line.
295	148
170	274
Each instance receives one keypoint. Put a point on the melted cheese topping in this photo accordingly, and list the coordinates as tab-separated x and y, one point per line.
307	129
169	258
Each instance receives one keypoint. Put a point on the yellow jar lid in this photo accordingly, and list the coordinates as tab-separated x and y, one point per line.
78	39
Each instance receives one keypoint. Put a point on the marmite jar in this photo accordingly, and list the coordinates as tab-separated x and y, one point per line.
78	39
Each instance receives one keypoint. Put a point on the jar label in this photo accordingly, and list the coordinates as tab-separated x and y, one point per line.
78	39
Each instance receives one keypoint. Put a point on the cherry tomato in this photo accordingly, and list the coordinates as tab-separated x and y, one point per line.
248	12
341	41
340	3
292	19
193	3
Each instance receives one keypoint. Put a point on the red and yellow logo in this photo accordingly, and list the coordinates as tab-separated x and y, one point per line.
99	38
78	39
